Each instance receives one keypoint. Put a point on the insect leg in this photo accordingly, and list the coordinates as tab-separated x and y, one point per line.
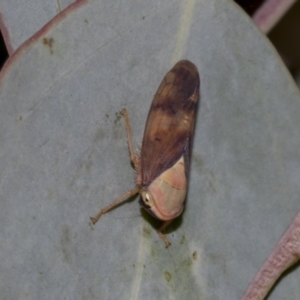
133	157
123	197
161	235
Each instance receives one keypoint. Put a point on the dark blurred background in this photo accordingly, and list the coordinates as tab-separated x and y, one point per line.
3	51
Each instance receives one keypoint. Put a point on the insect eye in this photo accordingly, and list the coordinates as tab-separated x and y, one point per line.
146	199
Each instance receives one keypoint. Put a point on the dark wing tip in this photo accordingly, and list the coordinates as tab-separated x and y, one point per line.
186	64
187	77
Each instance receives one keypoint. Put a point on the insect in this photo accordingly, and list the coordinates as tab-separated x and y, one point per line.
163	164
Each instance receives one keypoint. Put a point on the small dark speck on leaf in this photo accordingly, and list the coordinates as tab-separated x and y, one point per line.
49	42
118	117
195	255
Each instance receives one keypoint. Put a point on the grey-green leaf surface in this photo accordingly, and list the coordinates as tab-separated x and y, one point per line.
21	19
64	155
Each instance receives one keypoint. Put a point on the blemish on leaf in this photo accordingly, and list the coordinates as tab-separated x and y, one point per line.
195	255
118	118
182	240
168	276
65	242
49	42
146	232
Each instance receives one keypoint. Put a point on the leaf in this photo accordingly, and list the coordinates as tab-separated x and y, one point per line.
64	155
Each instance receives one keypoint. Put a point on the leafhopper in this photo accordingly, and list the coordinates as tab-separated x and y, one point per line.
162	168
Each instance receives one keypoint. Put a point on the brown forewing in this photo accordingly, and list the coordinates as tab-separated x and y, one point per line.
170	123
